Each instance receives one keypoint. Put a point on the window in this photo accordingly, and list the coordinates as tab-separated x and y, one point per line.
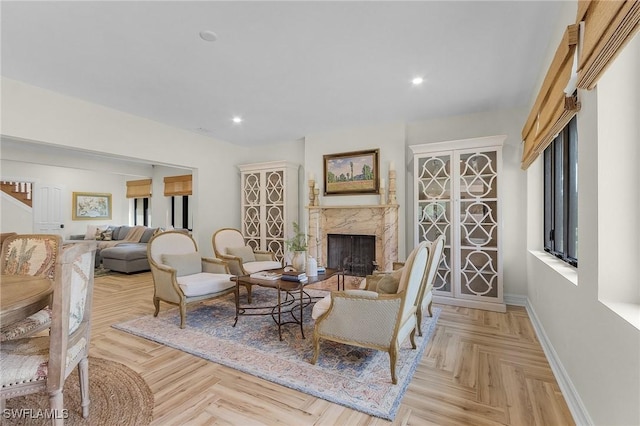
141	212
180	217
561	195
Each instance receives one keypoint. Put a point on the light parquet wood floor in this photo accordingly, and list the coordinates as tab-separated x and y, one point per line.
480	368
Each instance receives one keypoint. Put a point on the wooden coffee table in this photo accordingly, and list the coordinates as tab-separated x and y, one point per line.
295	298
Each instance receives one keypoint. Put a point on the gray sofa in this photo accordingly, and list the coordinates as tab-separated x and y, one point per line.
127	257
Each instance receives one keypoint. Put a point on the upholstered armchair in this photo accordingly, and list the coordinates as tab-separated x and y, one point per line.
43	363
35	255
373	320
425	297
181	275
229	245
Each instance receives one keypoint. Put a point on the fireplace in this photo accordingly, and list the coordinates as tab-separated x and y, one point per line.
378	221
354	254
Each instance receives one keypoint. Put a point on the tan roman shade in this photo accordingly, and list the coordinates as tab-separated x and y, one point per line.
608	26
177	185
139	188
553	109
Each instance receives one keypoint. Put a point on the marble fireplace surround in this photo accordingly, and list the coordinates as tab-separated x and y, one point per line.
378	220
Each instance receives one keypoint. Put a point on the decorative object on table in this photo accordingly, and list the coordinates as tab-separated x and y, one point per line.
312	267
265	275
352	173
298	245
312	192
294	276
316	196
343	375
91	206
116	391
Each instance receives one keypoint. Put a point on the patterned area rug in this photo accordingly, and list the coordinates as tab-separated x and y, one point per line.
354	377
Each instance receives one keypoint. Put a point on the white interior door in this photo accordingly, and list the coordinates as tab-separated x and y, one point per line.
47	209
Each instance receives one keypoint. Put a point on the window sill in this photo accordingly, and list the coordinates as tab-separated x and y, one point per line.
565	270
630	312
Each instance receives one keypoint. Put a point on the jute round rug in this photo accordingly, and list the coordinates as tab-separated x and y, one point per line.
118	395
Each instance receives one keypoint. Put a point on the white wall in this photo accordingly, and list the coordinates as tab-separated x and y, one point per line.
71	180
594	346
34	114
513	179
389	138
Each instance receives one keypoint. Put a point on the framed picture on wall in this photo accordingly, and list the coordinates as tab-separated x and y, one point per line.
352	173
90	205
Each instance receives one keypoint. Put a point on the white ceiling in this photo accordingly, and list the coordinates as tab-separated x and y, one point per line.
288	68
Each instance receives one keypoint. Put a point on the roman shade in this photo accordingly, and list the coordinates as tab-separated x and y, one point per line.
139	188
553	108
177	185
608	26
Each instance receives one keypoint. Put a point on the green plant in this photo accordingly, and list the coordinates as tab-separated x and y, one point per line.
299	240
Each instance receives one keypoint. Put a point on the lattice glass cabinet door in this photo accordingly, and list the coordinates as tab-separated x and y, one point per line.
456	186
269	204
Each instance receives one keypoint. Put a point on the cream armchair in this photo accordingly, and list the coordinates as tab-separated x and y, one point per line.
371	320
181	275
229	245
425	297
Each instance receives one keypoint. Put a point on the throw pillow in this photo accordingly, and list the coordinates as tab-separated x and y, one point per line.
388	285
184	264
245	253
107	235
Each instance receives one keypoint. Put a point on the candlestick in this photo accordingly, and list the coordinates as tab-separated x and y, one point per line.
312	184
392	187
316	196
312	176
392	165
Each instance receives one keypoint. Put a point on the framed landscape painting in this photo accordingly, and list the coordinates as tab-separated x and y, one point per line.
89	205
351	173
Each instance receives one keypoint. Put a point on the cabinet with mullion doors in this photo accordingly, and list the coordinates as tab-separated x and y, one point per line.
457	194
269	204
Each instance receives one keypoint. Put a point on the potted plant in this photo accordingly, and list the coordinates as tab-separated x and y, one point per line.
298	245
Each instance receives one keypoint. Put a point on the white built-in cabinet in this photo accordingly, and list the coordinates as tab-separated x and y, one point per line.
457	187
269	204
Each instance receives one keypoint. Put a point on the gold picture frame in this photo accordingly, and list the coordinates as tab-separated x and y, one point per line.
91	206
352	173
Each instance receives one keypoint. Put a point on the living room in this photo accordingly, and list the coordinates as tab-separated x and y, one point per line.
590	338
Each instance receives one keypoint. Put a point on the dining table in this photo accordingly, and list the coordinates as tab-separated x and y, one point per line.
22	296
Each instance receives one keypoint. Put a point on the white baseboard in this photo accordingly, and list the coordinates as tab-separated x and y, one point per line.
515	299
576	406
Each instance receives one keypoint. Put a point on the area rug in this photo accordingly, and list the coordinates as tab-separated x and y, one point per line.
118	396
354	377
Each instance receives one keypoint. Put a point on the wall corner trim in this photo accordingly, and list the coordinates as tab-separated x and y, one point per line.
576	406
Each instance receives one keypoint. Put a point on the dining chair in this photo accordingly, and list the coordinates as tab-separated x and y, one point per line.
425	297
34	364
35	255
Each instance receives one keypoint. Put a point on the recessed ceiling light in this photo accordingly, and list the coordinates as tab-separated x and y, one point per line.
208	35
417	81
237	119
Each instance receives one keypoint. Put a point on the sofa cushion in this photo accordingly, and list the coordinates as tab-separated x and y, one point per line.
148	233
204	283
120	232
388	284
125	252
184	264
244	252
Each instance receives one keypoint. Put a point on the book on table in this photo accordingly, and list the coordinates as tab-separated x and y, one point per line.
294	276
267	276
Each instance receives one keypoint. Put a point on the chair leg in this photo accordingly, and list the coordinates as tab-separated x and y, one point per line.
56	404
316	349
393	356
183	314
430	313
412	338
83	374
419	313
248	287
156	302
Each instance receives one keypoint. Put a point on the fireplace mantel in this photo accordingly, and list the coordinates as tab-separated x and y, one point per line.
380	220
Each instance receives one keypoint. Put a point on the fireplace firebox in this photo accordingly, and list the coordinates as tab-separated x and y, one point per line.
355	254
